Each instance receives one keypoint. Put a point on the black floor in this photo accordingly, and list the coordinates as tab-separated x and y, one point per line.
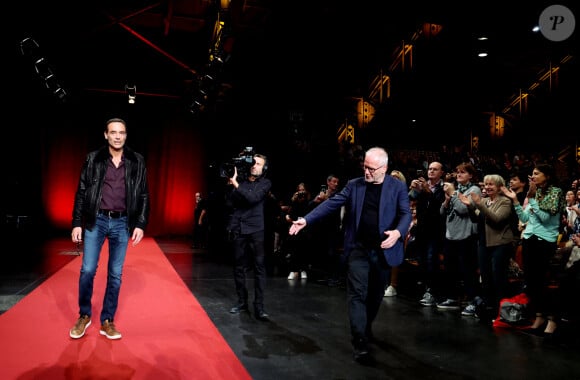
307	336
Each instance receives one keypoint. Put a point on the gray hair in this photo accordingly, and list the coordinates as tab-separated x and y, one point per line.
495	178
379	153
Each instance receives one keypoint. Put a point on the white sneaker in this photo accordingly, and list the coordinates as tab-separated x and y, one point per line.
469	310
428	299
292	275
303	275
390	291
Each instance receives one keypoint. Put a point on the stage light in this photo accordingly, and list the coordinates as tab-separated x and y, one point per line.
29	47
132	93
42	68
196	107
52	84
482	46
60	93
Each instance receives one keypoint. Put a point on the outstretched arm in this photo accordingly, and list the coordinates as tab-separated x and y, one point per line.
297	225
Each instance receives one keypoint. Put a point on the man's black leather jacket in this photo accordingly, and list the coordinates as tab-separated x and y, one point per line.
89	190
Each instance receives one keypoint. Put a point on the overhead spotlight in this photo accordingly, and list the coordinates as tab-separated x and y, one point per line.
51	83
29	47
131	92
206	84
42	68
217	58
60	93
196	107
482	46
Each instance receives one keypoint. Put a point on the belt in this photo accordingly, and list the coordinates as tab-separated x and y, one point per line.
113	214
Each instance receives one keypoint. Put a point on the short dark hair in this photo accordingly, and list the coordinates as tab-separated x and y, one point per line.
115	120
262	157
520	174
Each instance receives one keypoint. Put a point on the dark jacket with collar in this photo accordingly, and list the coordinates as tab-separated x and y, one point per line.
90	186
247	204
394	213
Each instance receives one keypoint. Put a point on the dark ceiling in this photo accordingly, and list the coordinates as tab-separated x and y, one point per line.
302	54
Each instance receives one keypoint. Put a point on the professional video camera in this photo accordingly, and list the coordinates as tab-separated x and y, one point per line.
243	163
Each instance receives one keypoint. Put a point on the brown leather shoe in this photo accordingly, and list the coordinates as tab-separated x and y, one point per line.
108	329
80	327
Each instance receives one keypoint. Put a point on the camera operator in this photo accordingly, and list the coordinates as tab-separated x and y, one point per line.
246	225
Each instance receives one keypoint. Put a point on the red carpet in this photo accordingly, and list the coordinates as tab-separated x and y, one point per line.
166	333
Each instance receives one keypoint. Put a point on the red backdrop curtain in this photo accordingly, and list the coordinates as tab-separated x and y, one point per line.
175	161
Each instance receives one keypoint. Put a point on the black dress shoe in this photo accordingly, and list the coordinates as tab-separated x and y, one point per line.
538	331
552	335
360	350
362	356
262	315
361	353
239	308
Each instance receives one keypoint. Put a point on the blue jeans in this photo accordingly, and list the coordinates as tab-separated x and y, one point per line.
116	230
430	263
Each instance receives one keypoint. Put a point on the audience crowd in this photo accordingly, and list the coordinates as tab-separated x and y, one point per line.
472	215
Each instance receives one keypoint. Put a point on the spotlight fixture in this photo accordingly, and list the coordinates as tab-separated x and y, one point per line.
482	46
42	68
50	82
196	107
60	93
29	47
131	92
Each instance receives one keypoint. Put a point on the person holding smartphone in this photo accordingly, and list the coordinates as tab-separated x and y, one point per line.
329	245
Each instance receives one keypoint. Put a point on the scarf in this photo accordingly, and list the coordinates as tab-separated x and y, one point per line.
552	200
463	188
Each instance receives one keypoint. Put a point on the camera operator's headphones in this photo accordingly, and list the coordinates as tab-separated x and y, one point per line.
265	167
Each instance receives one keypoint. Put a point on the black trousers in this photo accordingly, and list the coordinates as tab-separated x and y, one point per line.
249	250
536	255
367	274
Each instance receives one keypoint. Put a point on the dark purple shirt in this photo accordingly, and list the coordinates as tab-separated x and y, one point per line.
114	187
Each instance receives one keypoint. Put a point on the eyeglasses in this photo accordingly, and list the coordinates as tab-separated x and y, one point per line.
372	170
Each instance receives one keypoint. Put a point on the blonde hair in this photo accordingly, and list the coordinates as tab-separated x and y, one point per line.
399	175
495	178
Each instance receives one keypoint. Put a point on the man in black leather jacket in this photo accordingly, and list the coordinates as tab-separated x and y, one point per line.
111	202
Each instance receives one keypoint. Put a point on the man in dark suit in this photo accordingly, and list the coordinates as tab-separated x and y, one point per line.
377	218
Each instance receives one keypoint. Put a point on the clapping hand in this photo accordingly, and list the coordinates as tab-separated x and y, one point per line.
509	193
532	188
449	188
464	199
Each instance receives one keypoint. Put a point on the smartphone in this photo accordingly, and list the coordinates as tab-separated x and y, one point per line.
323	189
420	173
